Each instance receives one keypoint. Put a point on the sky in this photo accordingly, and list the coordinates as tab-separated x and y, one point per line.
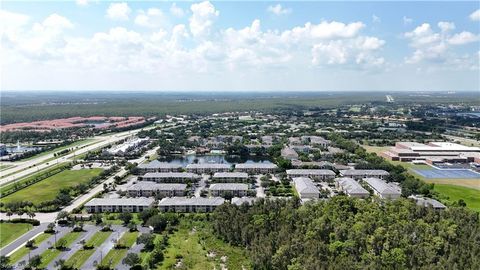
240	46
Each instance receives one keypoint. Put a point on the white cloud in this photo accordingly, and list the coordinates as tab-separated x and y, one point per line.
176	11
203	16
407	20
152	18
81	3
279	10
10	22
475	16
118	11
446	26
463	38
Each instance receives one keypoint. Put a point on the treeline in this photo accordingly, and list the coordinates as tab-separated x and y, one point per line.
347	233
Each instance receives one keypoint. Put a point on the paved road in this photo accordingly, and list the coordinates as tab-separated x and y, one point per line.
23	239
104	248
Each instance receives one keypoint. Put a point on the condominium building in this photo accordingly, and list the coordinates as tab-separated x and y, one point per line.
256	168
228	189
230	177
383	189
351	187
149	189
208	167
157	166
187	205
319	175
170	177
360	174
305	187
118	205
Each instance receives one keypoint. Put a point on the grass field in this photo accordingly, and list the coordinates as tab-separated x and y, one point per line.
49	255
48	188
81	256
23	251
11	231
114	256
455	193
193	242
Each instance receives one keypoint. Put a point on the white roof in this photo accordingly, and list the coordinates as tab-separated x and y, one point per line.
230	175
255	166
141	201
171	175
305	185
183	201
310	172
426	202
383	187
242	200
208	166
351	186
228	186
148	185
363	172
157	164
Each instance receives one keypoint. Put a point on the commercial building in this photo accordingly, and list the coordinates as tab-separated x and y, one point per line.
360	174
118	205
149	189
230	177
187	205
306	188
129	145
256	168
208	167
351	187
383	189
228	189
319	175
170	177
157	166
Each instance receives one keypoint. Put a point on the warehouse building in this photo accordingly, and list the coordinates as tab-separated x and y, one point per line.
360	174
149	189
351	187
189	205
228	189
319	175
208	168
118	205
230	177
170	177
256	168
383	189
306	188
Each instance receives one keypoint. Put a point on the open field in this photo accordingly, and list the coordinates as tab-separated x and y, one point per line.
23	251
194	241
48	188
49	255
115	256
81	256
11	231
455	193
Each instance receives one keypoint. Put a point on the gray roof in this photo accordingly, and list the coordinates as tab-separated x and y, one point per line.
148	185
157	165
208	166
228	186
383	187
305	185
242	200
351	186
171	175
310	172
256	166
230	175
363	172
183	201
426	202
142	201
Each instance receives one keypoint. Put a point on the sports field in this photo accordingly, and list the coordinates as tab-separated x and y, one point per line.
447	173
48	188
455	193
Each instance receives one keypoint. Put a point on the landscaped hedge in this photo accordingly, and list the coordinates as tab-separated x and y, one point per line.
34	222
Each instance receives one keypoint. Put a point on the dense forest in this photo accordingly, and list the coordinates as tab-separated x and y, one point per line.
347	233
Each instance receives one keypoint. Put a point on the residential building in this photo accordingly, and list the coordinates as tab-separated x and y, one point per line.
187	205
427	202
170	177
230	177
149	189
157	166
208	167
228	189
118	205
383	189
319	175
306	188
289	153
360	174
256	168
244	200
351	187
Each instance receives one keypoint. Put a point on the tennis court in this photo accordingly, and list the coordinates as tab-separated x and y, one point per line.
450	173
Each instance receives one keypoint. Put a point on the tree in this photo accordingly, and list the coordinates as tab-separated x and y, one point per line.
147	239
35	261
62	215
5	263
131	259
61	265
30	244
61	243
126	217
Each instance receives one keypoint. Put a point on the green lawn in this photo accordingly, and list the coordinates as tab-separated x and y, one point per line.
50	254
11	231
193	241
453	193
23	251
81	256
114	256
48	188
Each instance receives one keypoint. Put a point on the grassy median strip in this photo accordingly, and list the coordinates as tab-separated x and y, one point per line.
23	251
49	255
81	256
115	255
11	231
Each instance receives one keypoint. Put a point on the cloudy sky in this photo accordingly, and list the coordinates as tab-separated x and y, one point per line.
232	46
